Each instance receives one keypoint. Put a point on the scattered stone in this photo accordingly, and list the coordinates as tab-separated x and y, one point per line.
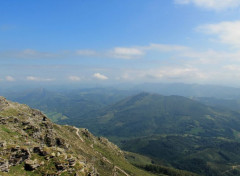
25	123
4	165
58	154
31	165
60	142
60	166
3	144
49	139
53	154
72	162
40	138
18	156
3	120
3	103
44	118
40	151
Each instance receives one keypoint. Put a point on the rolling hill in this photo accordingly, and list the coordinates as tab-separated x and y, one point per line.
147	114
68	104
31	145
173	130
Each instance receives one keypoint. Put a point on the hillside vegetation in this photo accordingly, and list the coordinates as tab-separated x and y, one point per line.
174	131
30	144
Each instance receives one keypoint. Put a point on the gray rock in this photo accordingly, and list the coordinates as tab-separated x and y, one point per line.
72	162
3	144
50	140
60	167
4	165
31	165
60	142
40	151
18	156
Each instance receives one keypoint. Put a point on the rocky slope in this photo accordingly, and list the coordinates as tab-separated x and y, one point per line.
30	144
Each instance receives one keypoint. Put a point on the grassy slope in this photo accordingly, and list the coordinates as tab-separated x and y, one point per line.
92	149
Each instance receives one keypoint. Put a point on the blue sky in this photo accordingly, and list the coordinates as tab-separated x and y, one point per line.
90	41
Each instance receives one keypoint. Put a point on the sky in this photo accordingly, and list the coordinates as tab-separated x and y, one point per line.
119	41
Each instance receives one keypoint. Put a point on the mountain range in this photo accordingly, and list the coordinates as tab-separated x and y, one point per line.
173	130
197	134
32	145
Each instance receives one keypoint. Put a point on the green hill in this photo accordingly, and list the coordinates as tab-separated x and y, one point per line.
175	131
30	144
68	104
147	114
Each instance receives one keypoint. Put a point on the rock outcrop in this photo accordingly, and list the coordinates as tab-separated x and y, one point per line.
31	142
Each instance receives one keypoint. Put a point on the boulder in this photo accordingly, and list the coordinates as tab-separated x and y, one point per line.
60	166
50	140
40	151
18	156
31	165
60	142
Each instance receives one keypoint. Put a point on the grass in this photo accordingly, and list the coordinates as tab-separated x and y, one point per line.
18	170
121	162
9	112
81	150
6	129
7	134
55	116
137	159
197	130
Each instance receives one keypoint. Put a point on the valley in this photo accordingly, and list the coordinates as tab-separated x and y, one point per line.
172	131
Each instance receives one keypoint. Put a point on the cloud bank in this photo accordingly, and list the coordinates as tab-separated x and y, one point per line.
227	32
212	4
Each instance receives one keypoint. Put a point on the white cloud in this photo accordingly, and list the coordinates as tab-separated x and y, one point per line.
167	73
30	53
126	53
27	54
166	48
74	78
33	78
10	78
117	52
226	32
209	56
100	76
212	4
86	52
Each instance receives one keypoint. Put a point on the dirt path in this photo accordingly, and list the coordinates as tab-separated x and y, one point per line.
119	169
77	133
105	159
